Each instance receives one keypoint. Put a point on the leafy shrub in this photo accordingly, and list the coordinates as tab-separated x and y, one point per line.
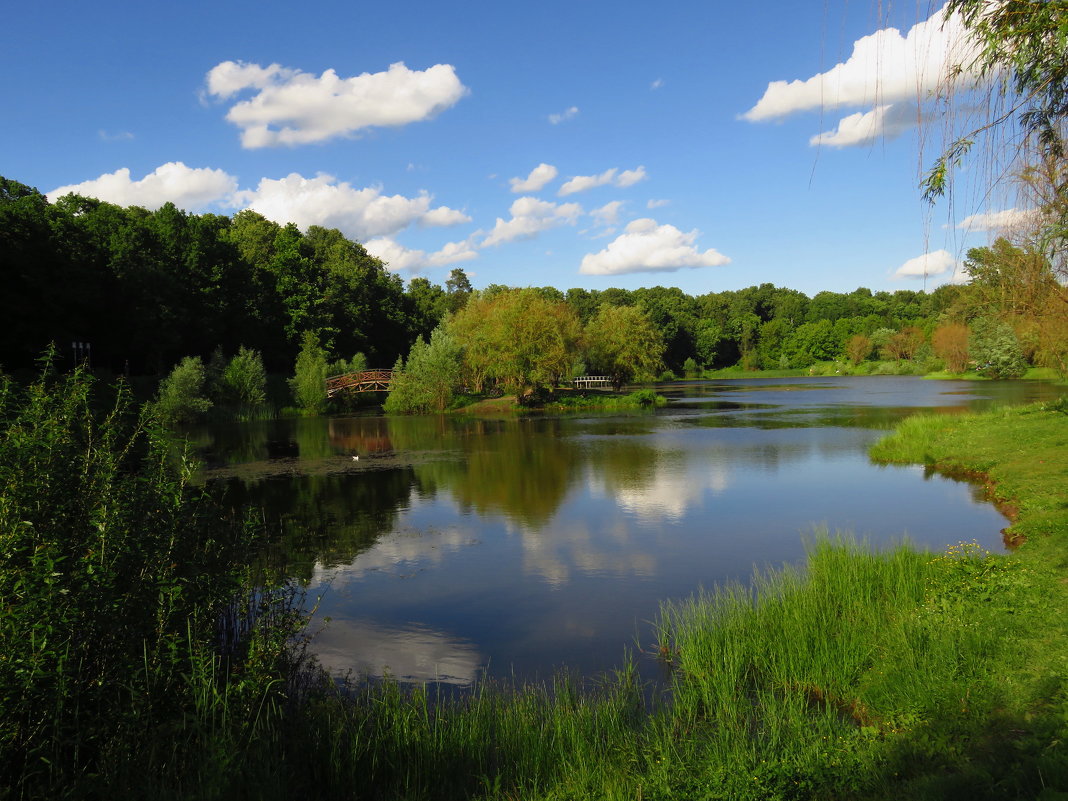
243	382
308	385
357	364
181	394
996	350
646	398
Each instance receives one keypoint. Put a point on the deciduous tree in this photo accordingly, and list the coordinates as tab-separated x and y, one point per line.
950	343
623	342
519	338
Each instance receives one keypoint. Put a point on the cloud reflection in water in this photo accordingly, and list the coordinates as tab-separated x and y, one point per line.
411	653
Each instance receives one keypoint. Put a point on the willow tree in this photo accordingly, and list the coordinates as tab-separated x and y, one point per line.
518	338
1022	47
1020	50
623	342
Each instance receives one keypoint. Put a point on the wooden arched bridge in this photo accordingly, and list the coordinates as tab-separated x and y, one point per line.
363	381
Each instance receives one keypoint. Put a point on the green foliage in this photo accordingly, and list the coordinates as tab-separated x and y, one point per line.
518	338
1030	41
646	398
639	399
152	286
428	381
113	573
357	364
995	350
243	382
707	342
181	396
623	342
308	385
146	287
457	290
812	342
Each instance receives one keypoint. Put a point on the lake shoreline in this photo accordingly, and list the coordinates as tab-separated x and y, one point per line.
862	673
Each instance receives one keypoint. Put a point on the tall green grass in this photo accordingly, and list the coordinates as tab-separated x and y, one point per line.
114	575
860	672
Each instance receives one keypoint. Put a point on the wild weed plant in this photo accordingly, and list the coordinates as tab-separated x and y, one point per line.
114	572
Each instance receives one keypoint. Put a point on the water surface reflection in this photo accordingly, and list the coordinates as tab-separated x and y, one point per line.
455	547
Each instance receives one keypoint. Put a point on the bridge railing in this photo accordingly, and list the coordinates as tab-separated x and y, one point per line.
588	381
364	381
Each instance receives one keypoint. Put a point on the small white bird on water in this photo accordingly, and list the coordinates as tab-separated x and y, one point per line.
355	458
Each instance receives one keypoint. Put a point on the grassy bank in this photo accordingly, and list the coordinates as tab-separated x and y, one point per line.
130	667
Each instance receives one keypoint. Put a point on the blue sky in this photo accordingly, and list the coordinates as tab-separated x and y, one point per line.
561	143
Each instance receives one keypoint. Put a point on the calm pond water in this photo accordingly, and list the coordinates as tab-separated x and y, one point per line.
460	547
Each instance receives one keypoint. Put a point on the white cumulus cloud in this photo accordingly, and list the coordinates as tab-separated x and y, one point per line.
1003	220
398	257
186	187
885	69
866	127
937	263
538	178
582	183
630	177
358	213
646	246
563	116
443	216
291	107
530	217
608	214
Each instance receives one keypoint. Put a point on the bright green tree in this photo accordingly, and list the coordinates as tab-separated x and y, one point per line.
309	382
709	336
243	382
428	380
181	396
519	338
623	343
996	350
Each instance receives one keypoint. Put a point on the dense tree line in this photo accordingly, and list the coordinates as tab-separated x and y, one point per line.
148	288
